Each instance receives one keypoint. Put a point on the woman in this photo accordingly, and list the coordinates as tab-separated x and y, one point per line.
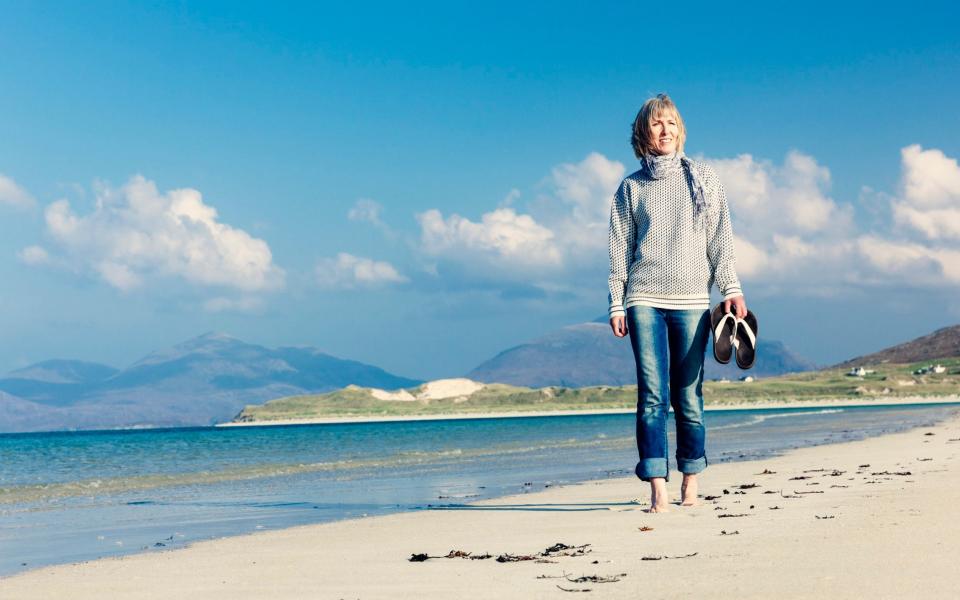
670	239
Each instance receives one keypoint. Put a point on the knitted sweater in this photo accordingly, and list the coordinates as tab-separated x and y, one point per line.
658	255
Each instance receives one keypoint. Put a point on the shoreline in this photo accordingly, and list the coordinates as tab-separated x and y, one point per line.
764	405
823	520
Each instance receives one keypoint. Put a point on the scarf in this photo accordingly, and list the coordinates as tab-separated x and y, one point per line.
659	166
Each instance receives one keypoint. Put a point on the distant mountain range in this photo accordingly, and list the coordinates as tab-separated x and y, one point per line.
589	354
199	382
209	379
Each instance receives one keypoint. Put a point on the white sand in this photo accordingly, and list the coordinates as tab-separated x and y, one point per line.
399	395
432	390
877	536
449	388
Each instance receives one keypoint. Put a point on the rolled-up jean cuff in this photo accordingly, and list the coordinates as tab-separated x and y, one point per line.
648	468
689	467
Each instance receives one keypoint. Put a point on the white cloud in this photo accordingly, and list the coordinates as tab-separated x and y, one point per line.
908	263
565	226
503	238
750	259
928	212
790	230
787	227
367	210
934	224
12	194
789	199
790	233
930	178
347	271
930	189
587	186
576	205
34	255
136	233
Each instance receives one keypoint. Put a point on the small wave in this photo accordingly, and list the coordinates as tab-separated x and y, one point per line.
757	419
419	459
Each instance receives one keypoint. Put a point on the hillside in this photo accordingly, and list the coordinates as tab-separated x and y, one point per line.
941	343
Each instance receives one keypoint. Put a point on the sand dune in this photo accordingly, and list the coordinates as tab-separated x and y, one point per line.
449	388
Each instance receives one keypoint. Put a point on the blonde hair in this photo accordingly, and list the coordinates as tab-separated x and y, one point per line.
651	109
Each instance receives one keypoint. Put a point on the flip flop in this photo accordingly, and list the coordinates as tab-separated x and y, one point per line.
724	329
745	340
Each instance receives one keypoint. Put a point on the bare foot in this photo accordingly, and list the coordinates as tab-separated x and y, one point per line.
688	491
658	495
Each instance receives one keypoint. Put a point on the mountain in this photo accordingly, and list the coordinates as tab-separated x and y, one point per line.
202	381
17	414
589	354
55	382
942	343
227	363
64	371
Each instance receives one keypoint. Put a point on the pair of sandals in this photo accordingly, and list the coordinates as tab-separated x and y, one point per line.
734	337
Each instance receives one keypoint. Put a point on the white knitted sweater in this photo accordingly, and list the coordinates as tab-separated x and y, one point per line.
658	256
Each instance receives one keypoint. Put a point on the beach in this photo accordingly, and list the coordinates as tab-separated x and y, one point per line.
869	518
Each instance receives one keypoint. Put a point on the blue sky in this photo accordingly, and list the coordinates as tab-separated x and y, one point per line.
421	187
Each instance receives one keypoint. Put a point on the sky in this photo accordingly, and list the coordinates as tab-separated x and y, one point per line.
421	187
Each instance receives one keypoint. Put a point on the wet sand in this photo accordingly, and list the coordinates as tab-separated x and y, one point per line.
871	518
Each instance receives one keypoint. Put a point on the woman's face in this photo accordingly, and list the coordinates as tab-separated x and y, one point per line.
664	130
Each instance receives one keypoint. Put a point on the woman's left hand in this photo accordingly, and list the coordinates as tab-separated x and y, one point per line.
736	305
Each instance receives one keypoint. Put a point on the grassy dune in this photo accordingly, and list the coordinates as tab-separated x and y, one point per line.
888	381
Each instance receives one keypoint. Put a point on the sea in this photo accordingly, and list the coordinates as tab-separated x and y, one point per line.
75	496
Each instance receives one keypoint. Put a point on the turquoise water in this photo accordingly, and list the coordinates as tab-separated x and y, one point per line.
69	496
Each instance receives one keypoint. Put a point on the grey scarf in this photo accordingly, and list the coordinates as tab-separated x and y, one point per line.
659	166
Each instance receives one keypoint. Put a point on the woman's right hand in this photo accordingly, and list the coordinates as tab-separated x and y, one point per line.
619	325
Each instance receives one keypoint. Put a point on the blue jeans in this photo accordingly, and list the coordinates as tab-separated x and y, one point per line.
669	346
